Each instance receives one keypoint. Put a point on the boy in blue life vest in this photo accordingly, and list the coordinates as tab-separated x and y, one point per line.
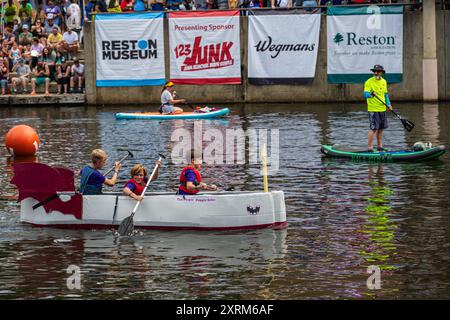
190	178
91	179
135	186
376	108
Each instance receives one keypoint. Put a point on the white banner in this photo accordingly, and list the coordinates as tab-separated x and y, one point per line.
361	37
204	47
279	57
129	49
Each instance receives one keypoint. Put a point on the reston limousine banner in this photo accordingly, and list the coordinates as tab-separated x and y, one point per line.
204	47
279	57
130	49
360	37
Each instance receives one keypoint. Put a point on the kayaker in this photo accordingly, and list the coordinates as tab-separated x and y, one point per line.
91	179
168	100
190	178
139	178
377	110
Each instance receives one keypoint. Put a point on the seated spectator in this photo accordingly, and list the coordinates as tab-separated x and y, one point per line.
55	40
70	43
16	27
251	4
25	21
11	12
157	5
15	54
77	76
4	74
73	20
114	6
23	72
27	8
233	4
63	72
26	37
38	30
310	3
9	37
36	52
139	5
127	6
53	12
204	4
88	10
49	25
41	75
281	3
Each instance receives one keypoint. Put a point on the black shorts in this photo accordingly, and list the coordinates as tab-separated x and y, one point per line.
378	120
63	80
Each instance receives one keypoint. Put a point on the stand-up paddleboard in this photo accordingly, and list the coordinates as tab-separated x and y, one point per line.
184	115
409	155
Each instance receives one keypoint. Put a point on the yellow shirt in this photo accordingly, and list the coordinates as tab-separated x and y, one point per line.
55	39
379	87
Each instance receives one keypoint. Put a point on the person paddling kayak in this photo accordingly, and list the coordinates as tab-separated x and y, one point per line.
91	179
376	108
139	178
190	178
168	100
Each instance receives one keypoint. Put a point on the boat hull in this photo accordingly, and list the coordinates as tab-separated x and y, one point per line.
210	211
184	115
384	156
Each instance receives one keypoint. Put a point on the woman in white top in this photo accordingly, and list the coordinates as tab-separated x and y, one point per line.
168	100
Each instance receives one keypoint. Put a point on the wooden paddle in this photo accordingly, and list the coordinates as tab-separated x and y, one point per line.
127	226
37	205
406	123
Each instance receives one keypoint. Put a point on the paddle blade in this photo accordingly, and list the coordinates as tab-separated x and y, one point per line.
408	124
126	227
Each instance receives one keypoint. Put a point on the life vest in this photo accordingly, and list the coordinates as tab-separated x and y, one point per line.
86	188
138	187
198	179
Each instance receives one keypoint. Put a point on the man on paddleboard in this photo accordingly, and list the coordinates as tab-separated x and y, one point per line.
376	108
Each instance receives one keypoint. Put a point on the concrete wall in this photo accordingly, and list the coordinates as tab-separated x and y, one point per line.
319	91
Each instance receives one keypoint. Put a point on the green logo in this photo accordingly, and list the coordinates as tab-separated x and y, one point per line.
338	38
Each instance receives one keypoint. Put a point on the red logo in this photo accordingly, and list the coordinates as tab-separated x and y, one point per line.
209	56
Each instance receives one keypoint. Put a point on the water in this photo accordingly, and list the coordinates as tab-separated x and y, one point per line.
343	216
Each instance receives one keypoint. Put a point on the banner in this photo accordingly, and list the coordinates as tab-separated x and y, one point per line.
362	36
279	57
129	49
205	47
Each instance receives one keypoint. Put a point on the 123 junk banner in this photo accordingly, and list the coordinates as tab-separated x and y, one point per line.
276	56
130	49
205	47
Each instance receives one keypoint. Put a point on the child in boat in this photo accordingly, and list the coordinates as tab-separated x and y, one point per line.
91	179
168	100
190	178
139	178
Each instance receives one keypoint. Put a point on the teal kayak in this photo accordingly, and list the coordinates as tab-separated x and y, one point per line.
383	156
184	115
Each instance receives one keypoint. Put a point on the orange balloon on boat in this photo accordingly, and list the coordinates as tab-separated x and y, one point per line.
21	141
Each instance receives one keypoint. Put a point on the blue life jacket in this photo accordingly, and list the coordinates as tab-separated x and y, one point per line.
86	188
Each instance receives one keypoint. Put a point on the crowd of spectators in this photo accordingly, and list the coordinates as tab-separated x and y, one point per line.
40	41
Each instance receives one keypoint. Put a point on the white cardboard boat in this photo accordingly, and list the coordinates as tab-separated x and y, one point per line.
167	211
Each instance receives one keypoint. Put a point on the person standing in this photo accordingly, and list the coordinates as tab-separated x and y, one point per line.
375	89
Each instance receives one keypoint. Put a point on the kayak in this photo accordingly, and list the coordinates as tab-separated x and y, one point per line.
184	115
48	198
383	156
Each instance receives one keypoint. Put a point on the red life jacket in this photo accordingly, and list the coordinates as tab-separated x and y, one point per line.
138	188
198	179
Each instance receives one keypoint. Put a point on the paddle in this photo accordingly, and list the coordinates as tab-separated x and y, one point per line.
126	227
37	205
406	123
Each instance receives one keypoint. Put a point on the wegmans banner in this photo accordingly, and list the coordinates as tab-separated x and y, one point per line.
360	37
205	47
279	57
129	49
